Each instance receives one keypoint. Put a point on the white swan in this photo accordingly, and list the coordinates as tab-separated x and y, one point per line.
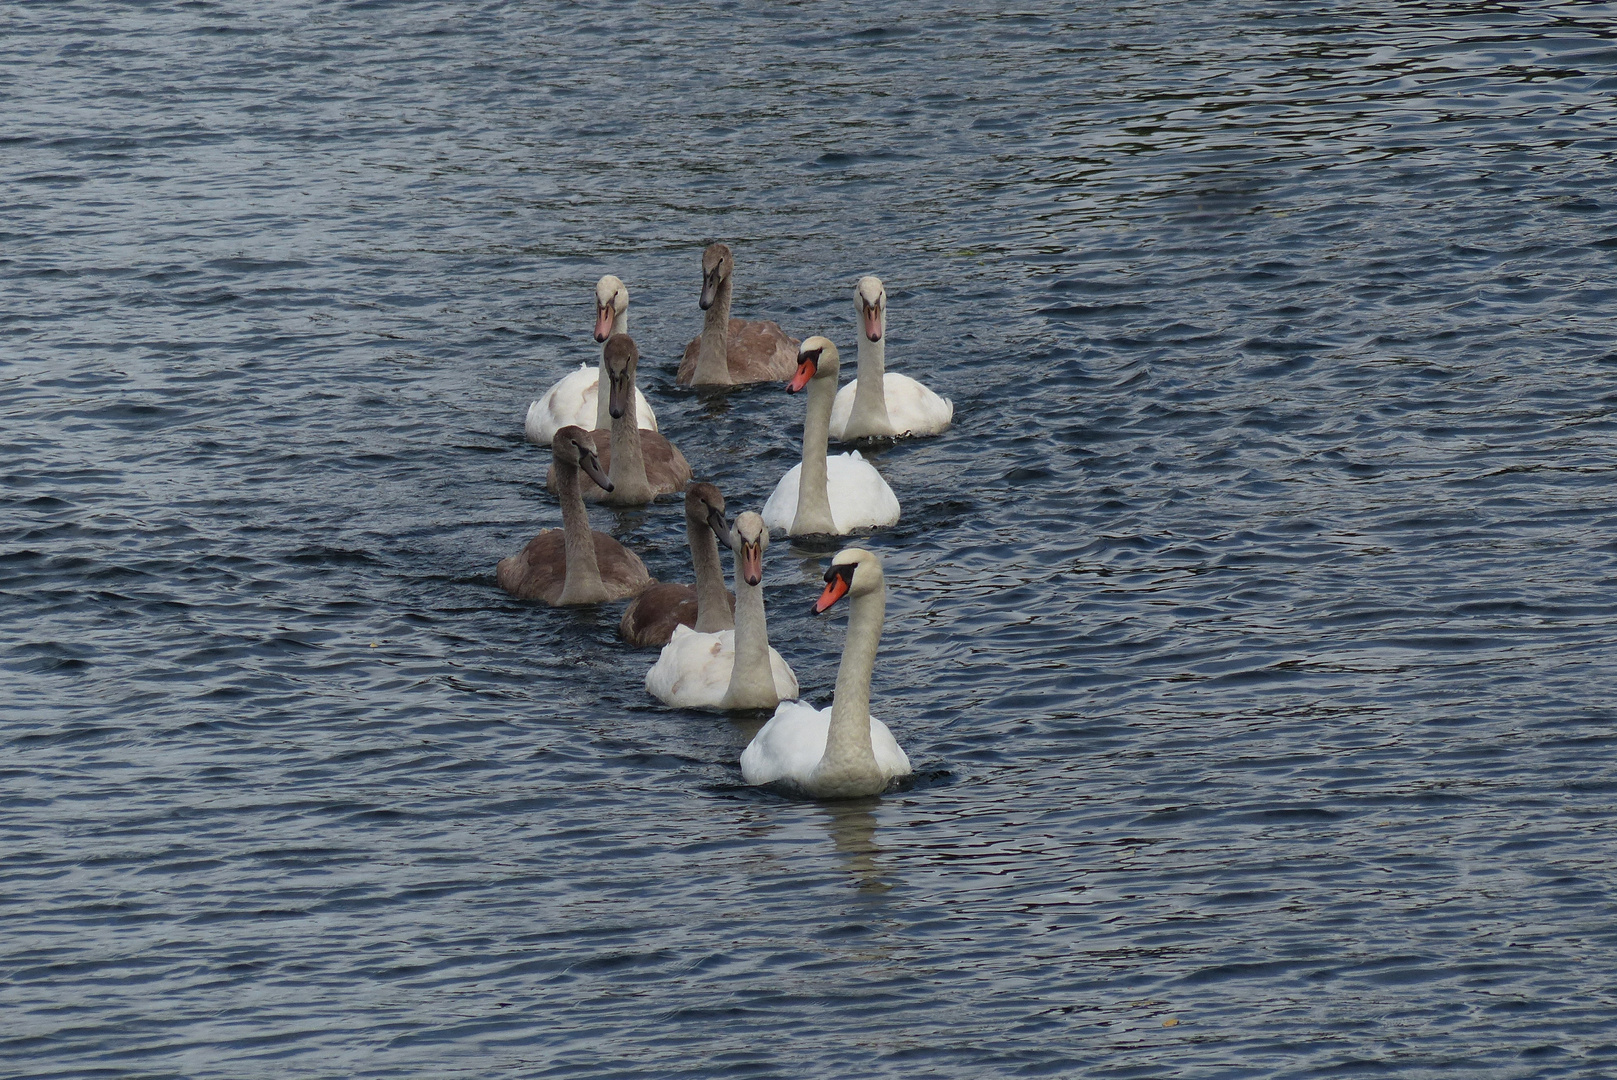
731	669
840	493
879	404
580	398
842	751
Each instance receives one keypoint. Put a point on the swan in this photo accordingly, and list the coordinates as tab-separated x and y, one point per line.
642	464
842	751
730	351
580	398
732	669
843	492
707	606
573	565
878	404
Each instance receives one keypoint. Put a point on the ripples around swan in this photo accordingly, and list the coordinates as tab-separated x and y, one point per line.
1250	632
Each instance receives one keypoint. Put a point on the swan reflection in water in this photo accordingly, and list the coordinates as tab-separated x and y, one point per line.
852	827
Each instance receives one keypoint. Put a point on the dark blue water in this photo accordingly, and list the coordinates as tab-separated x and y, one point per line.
1252	631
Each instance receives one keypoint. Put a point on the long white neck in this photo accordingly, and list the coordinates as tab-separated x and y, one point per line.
870	396
712	605
848	753
583	584
813	503
713	352
752	680
603	386
628	472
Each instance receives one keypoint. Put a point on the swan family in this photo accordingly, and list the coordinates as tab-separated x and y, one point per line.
716	655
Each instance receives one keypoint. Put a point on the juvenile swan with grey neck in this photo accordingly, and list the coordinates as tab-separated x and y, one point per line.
573	564
706	607
731	669
731	352
642	464
840	752
826	495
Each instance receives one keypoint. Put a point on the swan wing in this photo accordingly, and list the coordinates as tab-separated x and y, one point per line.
913	409
693	670
841	409
785	678
564	403
789	746
571	400
890	757
860	498
781	506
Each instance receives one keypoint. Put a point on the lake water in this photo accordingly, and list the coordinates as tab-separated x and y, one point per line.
1252	631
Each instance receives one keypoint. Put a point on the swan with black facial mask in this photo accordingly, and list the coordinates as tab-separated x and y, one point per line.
826	495
839	752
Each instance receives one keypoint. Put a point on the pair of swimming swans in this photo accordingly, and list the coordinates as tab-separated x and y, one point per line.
642	464
833	753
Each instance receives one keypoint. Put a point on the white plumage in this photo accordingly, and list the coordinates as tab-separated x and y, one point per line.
693	670
572	400
790	746
860	498
912	408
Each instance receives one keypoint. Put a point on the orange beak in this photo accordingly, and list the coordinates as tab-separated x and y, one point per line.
805	371
603	321
837	581
873	322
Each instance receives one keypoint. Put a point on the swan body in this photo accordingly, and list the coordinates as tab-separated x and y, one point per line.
842	751
859	497
731	352
706	606
824	495
641	464
729	669
579	398
879	405
573	564
912	409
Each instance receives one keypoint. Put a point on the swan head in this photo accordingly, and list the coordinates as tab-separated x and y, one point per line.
705	506
816	359
573	449
853	572
870	300
611	300
717	263
620	358
749	539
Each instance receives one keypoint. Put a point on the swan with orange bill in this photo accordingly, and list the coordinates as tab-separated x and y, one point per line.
839	752
730	669
826	495
581	398
879	404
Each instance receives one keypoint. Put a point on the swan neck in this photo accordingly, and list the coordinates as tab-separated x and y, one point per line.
712	605
869	415
603	385
713	352
752	679
583	582
628	471
847	745
813	500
